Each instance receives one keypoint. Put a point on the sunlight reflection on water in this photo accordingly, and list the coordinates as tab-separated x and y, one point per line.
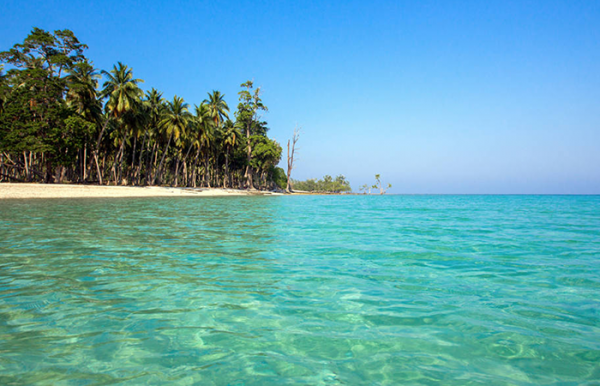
287	290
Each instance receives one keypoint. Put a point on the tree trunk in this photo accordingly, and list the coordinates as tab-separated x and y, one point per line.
96	150
248	173
49	176
26	167
159	170
150	170
195	167
185	179
114	169
290	159
206	171
121	160
115	165
138	173
288	187
227	176
185	174
131	177
95	154
85	163
177	173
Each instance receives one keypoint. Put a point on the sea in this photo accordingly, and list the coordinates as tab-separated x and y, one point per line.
301	290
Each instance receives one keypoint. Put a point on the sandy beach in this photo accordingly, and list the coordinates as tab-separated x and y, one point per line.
16	191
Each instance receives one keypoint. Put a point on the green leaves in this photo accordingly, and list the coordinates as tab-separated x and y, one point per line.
43	50
53	123
77	131
326	185
266	152
121	89
248	108
176	118
379	186
217	107
82	83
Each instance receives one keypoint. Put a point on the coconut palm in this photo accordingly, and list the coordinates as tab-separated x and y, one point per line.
82	84
201	123
137	120
206	137
82	96
173	124
217	107
191	141
124	95
230	138
121	89
154	107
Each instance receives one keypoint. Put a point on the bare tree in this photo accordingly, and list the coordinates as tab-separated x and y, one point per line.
366	189
379	186
290	158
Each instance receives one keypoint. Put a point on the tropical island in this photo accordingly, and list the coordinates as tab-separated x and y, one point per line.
118	267
58	125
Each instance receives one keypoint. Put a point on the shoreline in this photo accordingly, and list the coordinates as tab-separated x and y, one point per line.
9	190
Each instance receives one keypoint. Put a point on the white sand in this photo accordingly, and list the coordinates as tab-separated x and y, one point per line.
10	190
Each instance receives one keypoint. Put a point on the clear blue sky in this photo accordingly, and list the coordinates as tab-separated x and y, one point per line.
437	96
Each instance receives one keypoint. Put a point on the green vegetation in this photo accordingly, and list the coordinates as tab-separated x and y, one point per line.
326	185
58	125
366	189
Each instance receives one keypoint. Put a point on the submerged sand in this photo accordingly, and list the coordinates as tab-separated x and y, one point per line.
11	190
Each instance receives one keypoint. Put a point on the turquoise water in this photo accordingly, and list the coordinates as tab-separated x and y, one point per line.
340	290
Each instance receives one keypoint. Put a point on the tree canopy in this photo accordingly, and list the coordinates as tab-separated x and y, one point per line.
58	125
327	184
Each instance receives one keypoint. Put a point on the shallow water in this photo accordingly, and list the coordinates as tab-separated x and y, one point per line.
381	290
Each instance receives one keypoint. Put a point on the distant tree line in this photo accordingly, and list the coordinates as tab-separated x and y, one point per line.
325	185
57	124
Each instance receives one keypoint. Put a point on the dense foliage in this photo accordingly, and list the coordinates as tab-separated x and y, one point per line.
58	125
326	185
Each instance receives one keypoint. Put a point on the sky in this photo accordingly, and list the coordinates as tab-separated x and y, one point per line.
442	97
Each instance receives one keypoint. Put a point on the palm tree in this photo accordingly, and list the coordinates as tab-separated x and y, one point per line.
230	137
201	122
191	141
174	123
217	107
138	121
124	95
154	106
82	95
121	89
206	137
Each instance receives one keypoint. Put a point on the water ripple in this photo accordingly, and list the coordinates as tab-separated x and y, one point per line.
480	290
